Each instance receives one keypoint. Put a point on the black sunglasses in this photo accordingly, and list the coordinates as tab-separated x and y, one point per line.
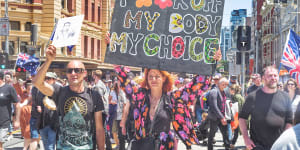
47	78
76	70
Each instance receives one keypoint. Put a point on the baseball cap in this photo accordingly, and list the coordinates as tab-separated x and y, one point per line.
51	75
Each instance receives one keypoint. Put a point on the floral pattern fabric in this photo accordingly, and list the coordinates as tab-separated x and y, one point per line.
180	102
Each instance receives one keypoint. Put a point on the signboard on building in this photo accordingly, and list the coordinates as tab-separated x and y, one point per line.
179	36
4	26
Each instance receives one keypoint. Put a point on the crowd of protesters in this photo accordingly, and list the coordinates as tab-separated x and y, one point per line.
152	111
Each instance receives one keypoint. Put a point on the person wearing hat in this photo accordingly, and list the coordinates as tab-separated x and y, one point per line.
43	120
8	96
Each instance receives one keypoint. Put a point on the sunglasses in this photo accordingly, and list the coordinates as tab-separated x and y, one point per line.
47	78
76	70
292	84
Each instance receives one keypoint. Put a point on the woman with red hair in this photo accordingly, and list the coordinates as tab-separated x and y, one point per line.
155	107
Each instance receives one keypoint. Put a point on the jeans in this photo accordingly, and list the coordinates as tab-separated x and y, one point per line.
198	114
48	137
34	134
229	130
112	116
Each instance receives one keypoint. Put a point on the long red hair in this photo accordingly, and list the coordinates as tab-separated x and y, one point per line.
167	85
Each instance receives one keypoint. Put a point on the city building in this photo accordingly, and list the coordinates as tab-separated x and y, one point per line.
237	18
225	44
91	45
256	34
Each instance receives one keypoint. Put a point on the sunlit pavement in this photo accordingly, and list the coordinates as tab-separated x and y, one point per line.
16	143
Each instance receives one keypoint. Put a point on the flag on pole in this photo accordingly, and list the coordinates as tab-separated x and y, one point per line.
22	57
291	54
30	63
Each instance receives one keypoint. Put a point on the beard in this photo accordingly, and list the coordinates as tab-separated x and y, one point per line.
271	85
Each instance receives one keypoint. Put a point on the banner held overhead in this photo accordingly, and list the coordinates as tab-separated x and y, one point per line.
172	35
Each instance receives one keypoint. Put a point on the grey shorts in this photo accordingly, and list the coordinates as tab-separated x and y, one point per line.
3	134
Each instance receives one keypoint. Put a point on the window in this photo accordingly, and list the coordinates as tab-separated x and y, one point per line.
28	26
62	3
98	49
85	46
99	15
93	12
23	48
92	48
29	1
86	10
15	25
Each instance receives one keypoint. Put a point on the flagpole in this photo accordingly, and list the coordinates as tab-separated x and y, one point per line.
52	35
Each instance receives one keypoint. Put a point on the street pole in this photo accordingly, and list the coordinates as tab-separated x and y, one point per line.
256	51
243	72
6	37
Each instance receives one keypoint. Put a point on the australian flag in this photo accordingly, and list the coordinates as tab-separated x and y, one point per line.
30	63
291	55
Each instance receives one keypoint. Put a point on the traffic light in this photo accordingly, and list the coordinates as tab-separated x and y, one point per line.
3	60
244	38
20	69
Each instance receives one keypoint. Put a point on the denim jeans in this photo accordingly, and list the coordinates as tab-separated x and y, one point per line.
48	137
34	134
229	131
198	114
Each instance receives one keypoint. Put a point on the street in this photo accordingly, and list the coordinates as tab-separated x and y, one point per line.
16	143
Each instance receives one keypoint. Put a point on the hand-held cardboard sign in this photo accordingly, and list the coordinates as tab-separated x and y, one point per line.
172	35
67	31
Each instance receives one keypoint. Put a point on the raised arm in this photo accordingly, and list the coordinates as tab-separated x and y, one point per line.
39	79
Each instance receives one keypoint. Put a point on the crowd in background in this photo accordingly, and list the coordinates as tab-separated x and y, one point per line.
115	102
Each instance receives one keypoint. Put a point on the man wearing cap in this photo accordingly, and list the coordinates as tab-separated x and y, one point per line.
8	96
79	108
256	79
43	120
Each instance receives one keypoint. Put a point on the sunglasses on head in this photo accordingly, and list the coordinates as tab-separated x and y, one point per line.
76	70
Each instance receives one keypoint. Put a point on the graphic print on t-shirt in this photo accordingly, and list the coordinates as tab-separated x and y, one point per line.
74	131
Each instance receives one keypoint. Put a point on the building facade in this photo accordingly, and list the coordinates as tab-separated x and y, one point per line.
225	44
91	45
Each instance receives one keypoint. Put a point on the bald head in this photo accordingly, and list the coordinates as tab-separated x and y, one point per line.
76	73
75	64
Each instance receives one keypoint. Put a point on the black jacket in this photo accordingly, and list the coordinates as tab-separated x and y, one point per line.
215	104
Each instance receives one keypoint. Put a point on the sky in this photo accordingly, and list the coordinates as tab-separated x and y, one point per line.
235	4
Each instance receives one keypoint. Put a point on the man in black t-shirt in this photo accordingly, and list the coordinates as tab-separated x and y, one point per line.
270	111
8	96
79	108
